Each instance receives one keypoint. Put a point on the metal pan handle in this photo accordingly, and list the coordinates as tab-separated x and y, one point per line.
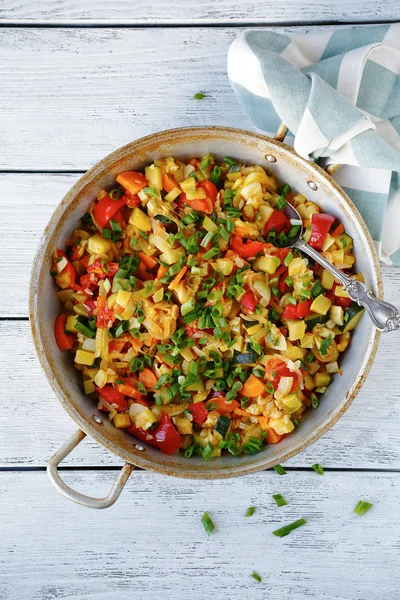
77	497
280	136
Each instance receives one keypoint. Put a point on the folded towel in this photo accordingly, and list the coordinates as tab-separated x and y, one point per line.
339	93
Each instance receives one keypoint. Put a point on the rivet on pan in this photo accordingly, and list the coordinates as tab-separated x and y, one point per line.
312	185
270	158
139	448
98	420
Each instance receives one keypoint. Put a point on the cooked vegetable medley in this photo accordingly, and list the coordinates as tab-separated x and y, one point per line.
193	327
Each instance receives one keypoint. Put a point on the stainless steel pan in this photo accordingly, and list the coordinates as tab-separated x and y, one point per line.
304	177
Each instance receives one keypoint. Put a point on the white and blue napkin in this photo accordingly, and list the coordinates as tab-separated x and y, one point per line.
339	93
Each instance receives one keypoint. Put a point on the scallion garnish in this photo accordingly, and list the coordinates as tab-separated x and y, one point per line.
284	190
250	511
279	499
207	523
199	96
256	576
207	451
362	507
279	469
288	528
318	469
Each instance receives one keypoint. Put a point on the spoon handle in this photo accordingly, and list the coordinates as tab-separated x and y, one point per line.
384	316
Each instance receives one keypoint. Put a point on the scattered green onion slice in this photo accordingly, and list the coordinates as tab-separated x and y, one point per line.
207	523
318	469
250	511
279	499
362	507
199	96
256	576
280	470
282	531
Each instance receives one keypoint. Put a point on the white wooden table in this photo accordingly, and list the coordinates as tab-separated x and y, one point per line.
77	80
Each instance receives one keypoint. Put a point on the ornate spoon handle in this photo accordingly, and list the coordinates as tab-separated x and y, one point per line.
384	316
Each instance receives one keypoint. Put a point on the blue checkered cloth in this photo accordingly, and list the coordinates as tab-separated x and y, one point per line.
339	93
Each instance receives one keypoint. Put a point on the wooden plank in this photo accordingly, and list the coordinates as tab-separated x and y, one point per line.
34	425
190	12
31	199
151	544
88	91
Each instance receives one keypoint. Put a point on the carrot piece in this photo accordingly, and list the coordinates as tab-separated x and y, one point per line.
148	378
161	271
177	278
148	261
263	422
128	390
169	183
223	407
339	229
143	273
273	437
253	387
242	413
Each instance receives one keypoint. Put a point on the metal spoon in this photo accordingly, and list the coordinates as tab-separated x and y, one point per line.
384	316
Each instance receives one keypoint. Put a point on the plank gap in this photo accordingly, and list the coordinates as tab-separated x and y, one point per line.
8	24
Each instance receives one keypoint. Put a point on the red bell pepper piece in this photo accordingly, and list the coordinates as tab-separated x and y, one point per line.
210	190
278	221
249	301
343	302
290	312
204	205
104	313
64	340
282	285
105	270
304	308
113	396
199	412
338	230
320	225
105	209
132	200
65	279
245	249
164	436
90	305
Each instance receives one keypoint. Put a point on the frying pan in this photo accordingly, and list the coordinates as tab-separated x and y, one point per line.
280	160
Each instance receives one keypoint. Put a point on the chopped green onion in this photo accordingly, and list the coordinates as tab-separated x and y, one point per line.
284	190
279	499
318	469
115	194
325	345
206	160
287	259
199	96
229	161
275	291
211	253
121	328
250	511
207	523
281	203
289	281
207	451
314	401
279	469
288	528
256	576
152	191
270	388
141	387
362	507
216	175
